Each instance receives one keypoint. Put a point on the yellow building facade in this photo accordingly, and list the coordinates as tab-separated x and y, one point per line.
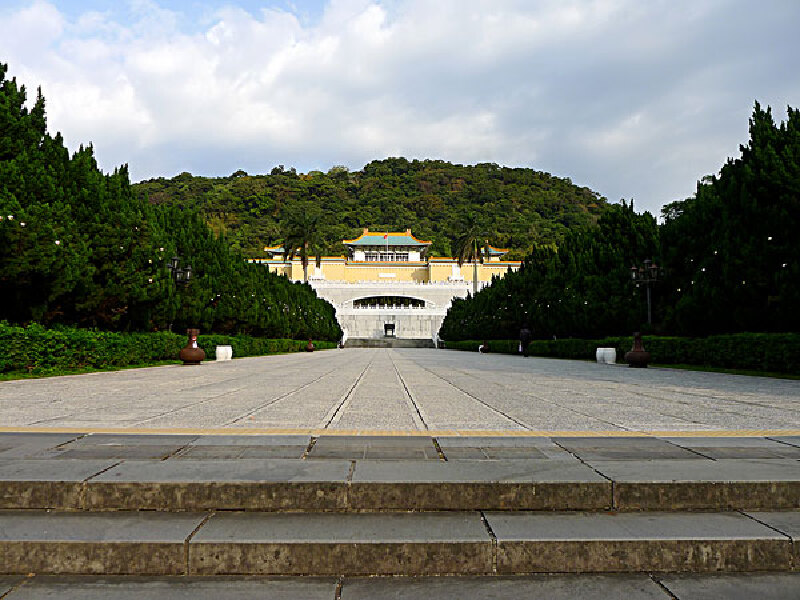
388	290
388	256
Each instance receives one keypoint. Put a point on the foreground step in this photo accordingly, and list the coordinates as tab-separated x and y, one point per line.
768	586
636	542
441	543
725	484
380	485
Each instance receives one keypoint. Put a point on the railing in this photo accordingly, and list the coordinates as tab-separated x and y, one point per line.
388	307
375	283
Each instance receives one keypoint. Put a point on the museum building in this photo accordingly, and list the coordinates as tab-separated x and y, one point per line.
388	291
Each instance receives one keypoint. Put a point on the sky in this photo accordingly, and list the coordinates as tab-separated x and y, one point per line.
634	99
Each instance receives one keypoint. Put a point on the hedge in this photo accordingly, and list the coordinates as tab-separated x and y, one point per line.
37	349
774	352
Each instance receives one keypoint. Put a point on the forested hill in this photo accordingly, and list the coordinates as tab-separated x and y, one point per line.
517	207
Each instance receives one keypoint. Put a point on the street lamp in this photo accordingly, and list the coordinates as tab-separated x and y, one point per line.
181	276
191	354
646	274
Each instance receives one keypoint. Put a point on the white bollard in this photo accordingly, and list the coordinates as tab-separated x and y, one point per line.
606	356
611	356
224	353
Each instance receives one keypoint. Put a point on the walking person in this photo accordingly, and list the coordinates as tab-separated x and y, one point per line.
525	337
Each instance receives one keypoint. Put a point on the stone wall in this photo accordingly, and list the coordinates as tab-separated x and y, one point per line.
410	323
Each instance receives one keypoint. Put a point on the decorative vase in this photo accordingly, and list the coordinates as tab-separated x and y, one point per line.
637	357
192	354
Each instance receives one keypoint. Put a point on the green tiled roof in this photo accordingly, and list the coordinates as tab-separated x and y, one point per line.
392	239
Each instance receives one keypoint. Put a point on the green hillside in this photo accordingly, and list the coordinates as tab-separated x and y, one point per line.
518	208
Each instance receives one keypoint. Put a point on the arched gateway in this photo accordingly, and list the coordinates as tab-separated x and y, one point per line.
387	290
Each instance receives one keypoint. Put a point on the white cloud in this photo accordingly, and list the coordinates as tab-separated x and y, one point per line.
633	99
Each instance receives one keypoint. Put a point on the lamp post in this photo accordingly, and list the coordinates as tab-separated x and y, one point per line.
181	276
191	354
646	274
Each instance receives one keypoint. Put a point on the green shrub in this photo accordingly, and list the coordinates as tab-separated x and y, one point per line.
40	350
775	352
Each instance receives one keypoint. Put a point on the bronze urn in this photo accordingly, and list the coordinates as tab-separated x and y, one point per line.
192	354
637	357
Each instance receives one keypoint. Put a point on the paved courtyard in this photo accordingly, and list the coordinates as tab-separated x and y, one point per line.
405	391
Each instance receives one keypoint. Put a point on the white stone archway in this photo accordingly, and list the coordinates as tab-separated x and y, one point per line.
411	323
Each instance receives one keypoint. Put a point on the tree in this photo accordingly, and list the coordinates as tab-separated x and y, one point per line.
78	247
472	246
301	238
732	248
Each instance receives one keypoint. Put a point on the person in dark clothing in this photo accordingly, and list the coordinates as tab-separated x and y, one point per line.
525	337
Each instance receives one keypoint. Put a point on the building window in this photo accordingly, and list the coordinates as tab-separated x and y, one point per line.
384	256
394	302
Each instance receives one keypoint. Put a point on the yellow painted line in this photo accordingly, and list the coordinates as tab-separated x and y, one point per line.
729	433
406	433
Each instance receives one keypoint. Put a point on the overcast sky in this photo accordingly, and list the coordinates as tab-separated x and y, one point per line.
633	98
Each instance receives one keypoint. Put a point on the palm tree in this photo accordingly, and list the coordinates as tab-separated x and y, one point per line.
472	246
302	239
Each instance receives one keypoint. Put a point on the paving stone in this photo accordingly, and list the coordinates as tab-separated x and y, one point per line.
390	447
749	453
100	543
552	587
174	588
378	441
724	442
635	542
737	447
621	448
108	439
794	440
216	452
252	440
516	453
471	485
244	484
8	583
348	544
465	454
496	448
787	522
21	445
495	442
743	586
727	484
115	451
28	483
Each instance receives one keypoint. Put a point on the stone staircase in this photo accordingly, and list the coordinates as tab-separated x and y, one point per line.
416	505
387	342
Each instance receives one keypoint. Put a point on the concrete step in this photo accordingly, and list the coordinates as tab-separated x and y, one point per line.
442	543
388	343
731	586
378	485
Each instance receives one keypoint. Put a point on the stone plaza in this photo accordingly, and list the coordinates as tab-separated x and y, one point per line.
407	391
374	473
